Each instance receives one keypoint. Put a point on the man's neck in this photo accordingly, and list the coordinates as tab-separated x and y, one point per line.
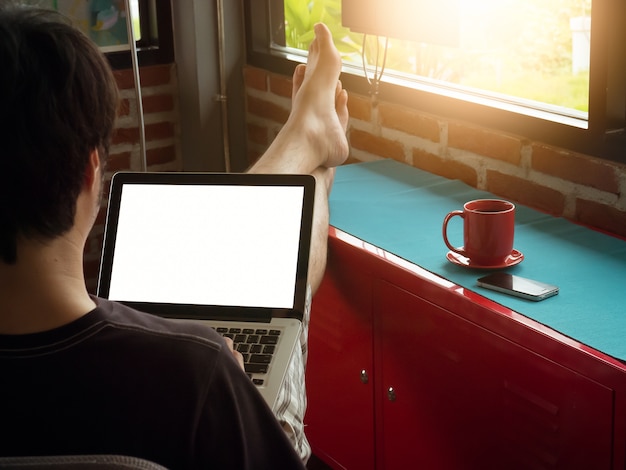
45	289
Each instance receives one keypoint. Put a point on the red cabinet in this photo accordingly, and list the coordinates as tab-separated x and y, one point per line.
407	370
340	366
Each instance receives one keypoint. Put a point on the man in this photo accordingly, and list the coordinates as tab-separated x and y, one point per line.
82	375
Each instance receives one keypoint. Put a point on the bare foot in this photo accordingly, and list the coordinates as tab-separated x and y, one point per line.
297	79
341	96
319	103
315	132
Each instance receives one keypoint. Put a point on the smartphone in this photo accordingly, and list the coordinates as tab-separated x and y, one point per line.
518	286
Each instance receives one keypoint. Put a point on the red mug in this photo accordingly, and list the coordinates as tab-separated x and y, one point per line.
488	229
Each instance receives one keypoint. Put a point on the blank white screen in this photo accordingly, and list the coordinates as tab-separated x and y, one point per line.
207	245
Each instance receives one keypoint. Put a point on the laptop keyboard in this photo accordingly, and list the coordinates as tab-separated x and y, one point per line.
257	347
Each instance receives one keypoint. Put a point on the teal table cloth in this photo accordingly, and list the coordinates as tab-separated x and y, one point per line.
401	210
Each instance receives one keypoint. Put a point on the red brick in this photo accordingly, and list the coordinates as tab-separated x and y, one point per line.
257	134
150	76
255	78
280	85
526	192
484	142
359	107
253	156
126	135
161	155
124	79
155	75
408	121
447	168
118	162
576	168
601	216
159	130
376	145
123	108
265	109
158	103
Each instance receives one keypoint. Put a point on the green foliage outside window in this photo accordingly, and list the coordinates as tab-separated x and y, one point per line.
512	47
301	16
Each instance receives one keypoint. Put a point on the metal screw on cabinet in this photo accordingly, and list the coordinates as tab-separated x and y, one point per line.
391	394
364	377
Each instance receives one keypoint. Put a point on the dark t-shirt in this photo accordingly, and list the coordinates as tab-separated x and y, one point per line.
119	381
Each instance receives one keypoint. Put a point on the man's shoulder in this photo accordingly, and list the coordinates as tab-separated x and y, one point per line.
139	325
162	348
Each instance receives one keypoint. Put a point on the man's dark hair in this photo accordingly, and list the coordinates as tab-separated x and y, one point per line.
58	102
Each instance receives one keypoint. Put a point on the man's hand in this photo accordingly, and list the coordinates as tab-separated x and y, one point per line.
236	354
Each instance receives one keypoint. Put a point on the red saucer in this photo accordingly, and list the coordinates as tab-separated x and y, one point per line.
514	258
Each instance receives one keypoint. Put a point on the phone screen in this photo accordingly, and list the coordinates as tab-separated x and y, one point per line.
518	286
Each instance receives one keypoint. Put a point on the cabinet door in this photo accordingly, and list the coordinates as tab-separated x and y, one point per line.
340	416
465	398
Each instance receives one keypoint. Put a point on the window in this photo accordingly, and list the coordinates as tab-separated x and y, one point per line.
155	43
105	22
552	70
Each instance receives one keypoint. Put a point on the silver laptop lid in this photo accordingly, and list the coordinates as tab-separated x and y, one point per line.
208	245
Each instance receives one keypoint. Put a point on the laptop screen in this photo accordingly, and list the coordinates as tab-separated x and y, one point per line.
219	240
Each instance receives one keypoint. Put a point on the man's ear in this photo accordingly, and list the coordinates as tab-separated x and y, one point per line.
92	172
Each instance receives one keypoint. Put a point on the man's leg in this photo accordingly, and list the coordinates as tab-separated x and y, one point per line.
293	399
319	233
312	141
314	138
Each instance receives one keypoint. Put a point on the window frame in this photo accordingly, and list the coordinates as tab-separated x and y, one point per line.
156	45
604	137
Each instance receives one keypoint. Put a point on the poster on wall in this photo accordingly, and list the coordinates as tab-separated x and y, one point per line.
104	21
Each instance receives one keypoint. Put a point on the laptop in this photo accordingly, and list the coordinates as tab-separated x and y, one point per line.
227	249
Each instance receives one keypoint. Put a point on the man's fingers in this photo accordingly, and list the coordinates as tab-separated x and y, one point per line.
236	354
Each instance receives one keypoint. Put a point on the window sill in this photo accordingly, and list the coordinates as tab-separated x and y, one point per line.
151	55
552	127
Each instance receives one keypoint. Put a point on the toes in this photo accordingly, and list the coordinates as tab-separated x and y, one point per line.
298	78
322	33
338	89
341	107
314	47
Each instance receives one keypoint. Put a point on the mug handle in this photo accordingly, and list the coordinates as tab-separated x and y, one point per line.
445	231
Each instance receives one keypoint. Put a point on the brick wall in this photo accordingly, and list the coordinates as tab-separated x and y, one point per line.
161	119
581	188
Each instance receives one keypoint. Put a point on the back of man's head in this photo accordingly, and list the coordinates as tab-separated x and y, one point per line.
58	102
